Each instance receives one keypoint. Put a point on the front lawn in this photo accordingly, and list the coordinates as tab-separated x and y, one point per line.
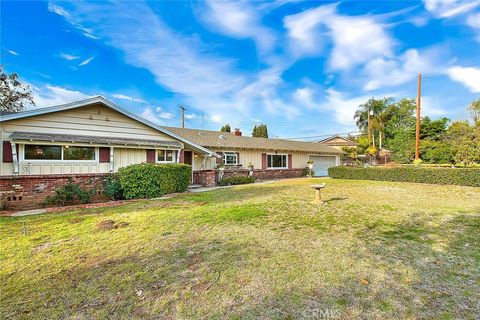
376	250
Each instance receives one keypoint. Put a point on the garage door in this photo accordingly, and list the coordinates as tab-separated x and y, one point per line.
321	165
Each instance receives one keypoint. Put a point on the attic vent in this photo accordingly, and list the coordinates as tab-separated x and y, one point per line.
221	136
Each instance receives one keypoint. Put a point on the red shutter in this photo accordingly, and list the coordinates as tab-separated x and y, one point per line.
182	156
150	155
264	161
7	152
220	160
104	154
238	157
289	161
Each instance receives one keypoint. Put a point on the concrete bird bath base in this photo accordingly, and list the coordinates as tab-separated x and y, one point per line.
318	196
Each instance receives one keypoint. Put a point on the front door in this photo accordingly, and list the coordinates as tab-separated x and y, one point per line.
187	157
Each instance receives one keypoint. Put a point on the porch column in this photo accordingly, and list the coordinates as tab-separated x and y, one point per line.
111	160
16	168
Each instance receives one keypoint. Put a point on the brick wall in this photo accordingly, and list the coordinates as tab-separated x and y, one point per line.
206	178
209	178
29	192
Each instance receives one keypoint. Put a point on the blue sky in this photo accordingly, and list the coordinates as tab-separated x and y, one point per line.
300	67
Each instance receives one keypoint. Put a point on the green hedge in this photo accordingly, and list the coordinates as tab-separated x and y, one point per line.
153	180
458	176
236	180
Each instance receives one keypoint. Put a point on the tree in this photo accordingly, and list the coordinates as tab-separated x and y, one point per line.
433	129
260	131
14	95
226	128
468	148
474	109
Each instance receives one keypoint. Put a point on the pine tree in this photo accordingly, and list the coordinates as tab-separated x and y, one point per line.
226	128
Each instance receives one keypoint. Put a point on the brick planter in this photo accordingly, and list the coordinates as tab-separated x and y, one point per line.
29	192
209	178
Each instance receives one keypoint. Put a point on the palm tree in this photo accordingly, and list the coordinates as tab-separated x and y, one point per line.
379	115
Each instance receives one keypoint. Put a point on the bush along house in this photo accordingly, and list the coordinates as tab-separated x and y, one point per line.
86	140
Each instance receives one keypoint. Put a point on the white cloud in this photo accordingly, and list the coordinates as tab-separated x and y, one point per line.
304	96
356	39
86	61
474	22
238	20
52	7
54	95
12	52
128	98
68	57
166	115
343	107
384	72
151	116
183	65
450	8
431	106
190	116
468	76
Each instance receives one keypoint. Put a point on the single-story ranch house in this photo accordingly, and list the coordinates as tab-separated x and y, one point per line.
88	139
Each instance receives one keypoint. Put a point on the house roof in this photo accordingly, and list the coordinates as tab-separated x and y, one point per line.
96	140
228	140
343	142
111	105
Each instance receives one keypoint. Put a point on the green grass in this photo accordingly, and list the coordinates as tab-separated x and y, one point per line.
376	250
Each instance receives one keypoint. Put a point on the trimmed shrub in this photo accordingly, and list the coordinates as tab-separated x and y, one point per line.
112	188
418	174
236	180
148	180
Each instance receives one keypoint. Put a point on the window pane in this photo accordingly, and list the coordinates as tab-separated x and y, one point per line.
160	155
78	153
230	158
277	161
169	155
37	152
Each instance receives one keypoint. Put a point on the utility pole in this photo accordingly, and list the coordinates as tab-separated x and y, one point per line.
417	133
182	110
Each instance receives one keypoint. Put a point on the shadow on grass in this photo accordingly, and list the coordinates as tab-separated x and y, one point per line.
335	199
443	263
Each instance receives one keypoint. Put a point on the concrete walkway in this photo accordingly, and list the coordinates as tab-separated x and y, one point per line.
205	189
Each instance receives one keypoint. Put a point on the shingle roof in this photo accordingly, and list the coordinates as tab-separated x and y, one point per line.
217	139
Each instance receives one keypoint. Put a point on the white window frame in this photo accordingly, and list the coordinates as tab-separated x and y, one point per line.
230	153
278	154
174	157
22	150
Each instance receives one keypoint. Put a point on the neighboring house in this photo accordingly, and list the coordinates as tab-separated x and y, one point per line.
338	142
85	140
270	157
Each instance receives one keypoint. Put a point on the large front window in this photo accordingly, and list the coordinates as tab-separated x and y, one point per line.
230	158
277	161
69	153
166	155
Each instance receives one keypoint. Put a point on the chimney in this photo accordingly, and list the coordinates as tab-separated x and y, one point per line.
238	132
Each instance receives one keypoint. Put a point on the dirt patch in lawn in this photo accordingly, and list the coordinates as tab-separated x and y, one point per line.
110	225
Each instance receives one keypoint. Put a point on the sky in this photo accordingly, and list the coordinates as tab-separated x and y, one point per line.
301	67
